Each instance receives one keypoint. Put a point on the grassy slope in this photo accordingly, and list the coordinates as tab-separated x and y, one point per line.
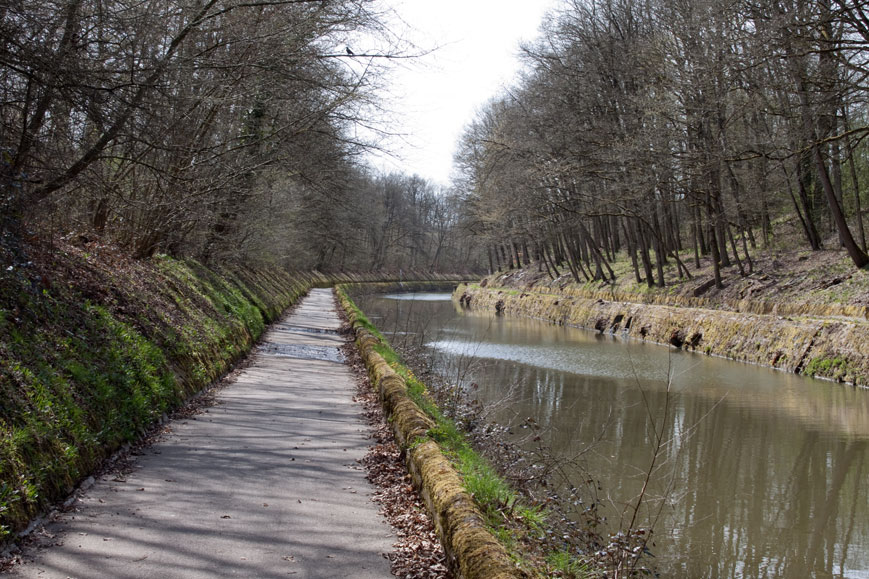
95	347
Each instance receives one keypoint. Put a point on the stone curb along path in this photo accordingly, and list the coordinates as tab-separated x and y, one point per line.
472	550
264	484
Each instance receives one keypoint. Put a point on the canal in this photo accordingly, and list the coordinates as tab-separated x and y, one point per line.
761	473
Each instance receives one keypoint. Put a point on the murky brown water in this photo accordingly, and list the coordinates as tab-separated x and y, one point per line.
765	474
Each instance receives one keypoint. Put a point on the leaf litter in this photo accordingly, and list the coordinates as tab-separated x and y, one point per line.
417	552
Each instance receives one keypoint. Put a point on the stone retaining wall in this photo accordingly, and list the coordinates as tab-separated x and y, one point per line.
828	348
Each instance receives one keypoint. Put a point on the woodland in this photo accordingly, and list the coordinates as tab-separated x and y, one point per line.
675	133
662	131
222	130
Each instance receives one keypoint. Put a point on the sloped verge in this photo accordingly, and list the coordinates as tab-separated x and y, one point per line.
96	347
472	550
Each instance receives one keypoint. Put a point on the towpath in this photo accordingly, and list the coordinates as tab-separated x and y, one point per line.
265	484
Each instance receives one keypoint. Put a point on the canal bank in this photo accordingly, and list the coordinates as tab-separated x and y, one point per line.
761	474
97	349
472	549
832	347
264	483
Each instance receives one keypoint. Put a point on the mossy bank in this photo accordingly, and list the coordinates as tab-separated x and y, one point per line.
825	346
95	347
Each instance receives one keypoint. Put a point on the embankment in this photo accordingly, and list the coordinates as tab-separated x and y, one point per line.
95	348
814	343
472	549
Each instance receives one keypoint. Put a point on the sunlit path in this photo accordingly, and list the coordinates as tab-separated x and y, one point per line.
265	484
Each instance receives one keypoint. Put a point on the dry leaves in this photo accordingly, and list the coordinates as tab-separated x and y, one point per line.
418	553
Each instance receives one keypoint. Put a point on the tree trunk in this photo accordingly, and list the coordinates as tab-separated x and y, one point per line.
857	255
804	175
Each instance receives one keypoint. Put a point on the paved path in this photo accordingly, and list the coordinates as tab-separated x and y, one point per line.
265	484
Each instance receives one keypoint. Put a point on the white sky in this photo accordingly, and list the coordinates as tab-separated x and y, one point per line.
434	97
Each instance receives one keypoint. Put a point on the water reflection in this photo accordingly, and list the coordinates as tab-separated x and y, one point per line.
419	297
764	472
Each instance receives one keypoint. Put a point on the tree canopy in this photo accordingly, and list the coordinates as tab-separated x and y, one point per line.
219	129
665	126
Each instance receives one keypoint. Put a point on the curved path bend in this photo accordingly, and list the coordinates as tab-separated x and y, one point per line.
265	484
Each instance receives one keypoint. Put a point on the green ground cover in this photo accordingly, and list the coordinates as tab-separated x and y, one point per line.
94	349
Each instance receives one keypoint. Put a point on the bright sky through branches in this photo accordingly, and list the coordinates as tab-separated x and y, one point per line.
435	96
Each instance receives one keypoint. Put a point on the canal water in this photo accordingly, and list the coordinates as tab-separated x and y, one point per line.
762	473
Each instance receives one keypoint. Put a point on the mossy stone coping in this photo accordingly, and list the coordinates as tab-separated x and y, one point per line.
472	550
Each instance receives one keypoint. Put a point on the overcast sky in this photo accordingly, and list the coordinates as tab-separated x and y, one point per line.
436	96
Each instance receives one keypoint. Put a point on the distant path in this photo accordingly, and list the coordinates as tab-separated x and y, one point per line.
265	484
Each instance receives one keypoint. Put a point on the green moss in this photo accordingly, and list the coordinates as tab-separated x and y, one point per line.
496	499
83	372
363	320
833	368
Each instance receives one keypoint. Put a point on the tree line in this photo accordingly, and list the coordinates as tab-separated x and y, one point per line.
675	130
218	129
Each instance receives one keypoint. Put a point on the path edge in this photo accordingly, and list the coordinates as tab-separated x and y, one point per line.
472	550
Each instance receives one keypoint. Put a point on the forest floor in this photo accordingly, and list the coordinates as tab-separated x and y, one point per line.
814	278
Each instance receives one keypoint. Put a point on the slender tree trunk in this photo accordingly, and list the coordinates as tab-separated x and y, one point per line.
803	174
857	206
644	255
699	228
697	236
552	259
713	244
857	255
852	165
735	253
632	250
806	228
571	264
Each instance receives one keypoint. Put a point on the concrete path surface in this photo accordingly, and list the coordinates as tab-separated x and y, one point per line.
265	484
